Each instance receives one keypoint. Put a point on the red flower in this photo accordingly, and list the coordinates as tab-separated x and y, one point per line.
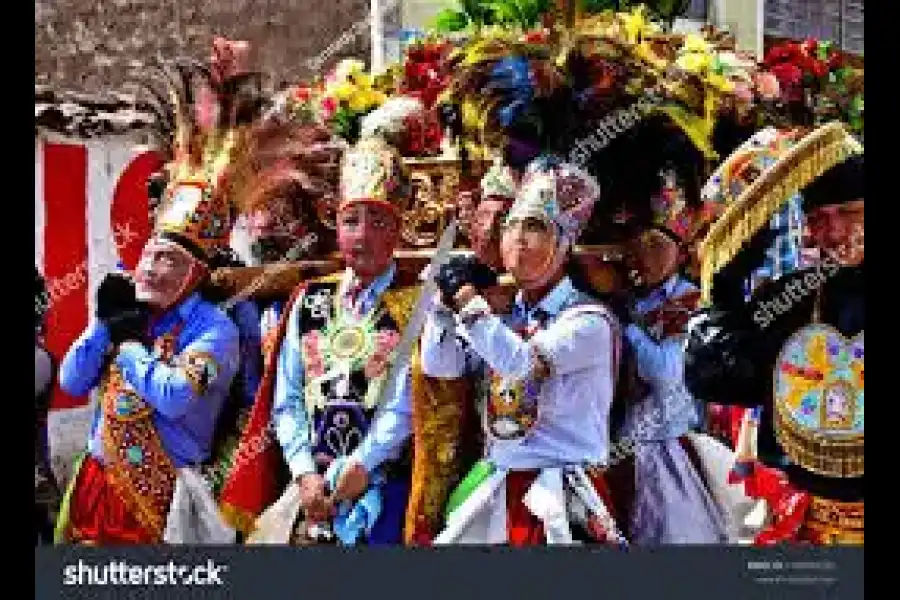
809	47
790	78
819	68
835	61
302	94
787	52
535	37
329	107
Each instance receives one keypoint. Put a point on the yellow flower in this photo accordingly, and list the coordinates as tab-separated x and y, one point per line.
695	43
360	101
720	82
694	62
349	67
341	91
635	23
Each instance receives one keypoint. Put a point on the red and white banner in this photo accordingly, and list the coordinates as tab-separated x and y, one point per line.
90	212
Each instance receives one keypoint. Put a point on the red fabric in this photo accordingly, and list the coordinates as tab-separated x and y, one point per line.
522	527
97	515
250	486
789	505
65	260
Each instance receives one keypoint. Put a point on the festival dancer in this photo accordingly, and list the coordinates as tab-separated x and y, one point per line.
548	377
162	357
794	352
346	446
163	360
672	503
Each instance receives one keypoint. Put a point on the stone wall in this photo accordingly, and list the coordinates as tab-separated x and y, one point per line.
95	45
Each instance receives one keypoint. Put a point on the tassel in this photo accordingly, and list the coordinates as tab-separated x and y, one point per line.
745	447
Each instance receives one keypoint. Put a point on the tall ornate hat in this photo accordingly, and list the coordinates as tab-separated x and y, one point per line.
203	117
373	171
498	182
758	179
557	193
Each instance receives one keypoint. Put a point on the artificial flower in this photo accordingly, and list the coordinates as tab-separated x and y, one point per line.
301	94
694	62
341	90
329	107
767	85
349	67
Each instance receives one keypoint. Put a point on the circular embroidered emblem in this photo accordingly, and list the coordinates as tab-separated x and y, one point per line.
819	400
347	343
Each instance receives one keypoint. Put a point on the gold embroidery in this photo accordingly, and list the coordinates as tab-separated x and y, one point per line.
833	522
138	467
199	368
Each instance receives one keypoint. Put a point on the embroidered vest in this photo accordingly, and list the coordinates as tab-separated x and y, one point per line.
137	465
512	407
346	360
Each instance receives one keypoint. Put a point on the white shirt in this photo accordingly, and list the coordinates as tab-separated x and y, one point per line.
574	401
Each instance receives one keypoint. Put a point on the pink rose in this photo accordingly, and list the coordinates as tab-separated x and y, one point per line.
767	86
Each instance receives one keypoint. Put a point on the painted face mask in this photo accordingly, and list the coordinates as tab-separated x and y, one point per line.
367	235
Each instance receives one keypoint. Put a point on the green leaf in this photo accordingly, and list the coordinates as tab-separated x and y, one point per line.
450	21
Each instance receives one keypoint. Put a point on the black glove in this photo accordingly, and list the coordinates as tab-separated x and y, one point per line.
460	271
720	358
129	325
119	309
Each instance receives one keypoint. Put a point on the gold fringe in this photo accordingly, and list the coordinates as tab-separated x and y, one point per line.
837	522
822	454
239	519
815	154
439	408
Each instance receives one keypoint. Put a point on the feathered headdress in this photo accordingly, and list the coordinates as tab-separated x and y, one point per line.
203	116
505	88
373	170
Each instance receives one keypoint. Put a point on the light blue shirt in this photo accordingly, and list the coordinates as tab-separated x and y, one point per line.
669	411
574	401
183	413
293	426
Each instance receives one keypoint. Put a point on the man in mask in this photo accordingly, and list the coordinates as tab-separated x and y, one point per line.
794	353
162	359
346	447
671	503
548	374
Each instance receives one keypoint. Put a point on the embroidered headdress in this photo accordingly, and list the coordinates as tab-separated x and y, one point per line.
203	120
373	170
758	179
498	182
556	193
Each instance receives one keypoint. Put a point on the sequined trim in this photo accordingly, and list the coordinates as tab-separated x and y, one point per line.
137	465
833	522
